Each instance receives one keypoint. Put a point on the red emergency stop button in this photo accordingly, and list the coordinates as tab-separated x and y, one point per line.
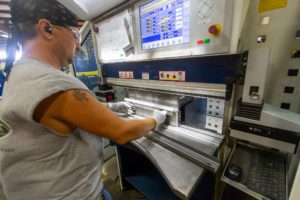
215	29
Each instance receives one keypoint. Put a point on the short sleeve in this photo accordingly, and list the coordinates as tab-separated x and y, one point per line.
31	82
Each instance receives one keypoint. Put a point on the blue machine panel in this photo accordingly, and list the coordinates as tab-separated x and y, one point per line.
213	69
85	66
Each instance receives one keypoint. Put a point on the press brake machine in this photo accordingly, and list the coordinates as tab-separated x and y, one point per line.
175	55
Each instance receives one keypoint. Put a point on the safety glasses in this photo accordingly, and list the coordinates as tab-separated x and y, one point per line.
74	31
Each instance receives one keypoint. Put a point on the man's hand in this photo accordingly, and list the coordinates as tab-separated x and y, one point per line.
122	107
160	117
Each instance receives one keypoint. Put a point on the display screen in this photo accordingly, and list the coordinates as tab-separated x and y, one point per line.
164	23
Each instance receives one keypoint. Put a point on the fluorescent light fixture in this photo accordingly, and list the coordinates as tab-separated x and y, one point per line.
4	35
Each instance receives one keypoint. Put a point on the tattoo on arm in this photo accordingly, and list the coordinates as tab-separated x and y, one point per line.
80	95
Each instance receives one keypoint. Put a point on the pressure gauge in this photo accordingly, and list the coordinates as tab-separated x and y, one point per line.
204	10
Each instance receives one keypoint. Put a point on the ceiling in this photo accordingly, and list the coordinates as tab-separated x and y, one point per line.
5	22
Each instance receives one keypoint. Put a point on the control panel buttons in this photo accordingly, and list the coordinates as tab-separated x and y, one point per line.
172	76
200	42
206	41
215	29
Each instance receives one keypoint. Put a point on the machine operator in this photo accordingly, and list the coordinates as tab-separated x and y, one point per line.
53	146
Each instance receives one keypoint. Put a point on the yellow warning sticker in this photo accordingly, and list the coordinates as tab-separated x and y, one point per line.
266	5
91	73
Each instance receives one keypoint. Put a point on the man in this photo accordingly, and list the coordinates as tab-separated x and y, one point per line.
53	149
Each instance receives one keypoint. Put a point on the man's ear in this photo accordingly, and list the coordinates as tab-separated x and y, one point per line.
45	28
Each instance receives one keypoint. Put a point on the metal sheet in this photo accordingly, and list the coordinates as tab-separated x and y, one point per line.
201	140
146	101
206	161
194	145
151	105
181	175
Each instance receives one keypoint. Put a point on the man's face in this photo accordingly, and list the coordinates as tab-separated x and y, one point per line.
69	43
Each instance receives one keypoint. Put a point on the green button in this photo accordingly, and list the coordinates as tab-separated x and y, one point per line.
206	41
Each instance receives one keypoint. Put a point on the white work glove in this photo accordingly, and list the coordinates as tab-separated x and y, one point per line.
160	117
122	107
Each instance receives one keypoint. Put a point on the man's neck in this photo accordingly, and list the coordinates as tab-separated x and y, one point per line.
42	53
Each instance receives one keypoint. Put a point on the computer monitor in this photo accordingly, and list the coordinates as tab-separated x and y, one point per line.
85	66
164	23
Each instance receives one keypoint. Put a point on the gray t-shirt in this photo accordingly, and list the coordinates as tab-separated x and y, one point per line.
35	161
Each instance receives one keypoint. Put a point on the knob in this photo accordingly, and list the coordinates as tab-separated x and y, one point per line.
215	29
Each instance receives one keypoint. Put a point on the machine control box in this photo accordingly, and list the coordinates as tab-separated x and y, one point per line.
166	29
182	27
172	75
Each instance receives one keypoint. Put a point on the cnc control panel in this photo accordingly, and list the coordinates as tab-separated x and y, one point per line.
153	29
182	27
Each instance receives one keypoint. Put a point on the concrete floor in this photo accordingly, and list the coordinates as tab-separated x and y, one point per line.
111	181
110	178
